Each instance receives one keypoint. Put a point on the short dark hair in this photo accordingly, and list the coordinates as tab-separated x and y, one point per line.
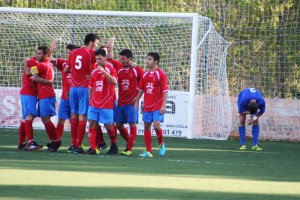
253	108
155	56
45	50
127	53
71	46
101	52
91	37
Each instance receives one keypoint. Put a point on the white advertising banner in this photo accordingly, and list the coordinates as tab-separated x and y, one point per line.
175	119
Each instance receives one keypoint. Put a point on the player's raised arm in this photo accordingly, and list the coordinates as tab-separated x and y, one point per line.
53	47
110	48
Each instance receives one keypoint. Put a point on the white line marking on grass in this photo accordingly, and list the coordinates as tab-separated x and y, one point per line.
161	159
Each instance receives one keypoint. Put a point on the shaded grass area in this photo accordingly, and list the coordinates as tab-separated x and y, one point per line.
42	192
196	160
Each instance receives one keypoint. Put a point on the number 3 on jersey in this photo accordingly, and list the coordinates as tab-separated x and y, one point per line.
78	62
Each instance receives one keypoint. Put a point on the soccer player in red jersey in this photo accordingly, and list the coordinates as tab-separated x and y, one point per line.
46	95
117	65
28	97
81	62
128	79
64	109
101	96
154	85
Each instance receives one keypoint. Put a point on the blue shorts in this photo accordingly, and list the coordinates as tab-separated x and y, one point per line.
64	109
79	100
115	107
46	107
101	115
126	114
28	104
150	117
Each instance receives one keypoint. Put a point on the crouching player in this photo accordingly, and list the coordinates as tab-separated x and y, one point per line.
250	101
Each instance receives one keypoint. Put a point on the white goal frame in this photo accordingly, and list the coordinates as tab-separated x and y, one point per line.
194	43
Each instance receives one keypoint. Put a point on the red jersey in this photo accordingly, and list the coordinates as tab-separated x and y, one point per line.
128	80
103	91
28	86
44	70
153	84
81	61
116	64
65	77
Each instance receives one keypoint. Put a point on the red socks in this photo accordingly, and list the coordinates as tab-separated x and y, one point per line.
74	127
112	135
124	133
159	137
148	140
22	133
29	130
92	138
51	131
80	133
131	137
59	130
99	138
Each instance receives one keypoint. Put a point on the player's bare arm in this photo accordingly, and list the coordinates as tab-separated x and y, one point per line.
38	79
67	69
110	46
137	98
53	61
132	64
53	46
163	107
26	68
110	78
90	94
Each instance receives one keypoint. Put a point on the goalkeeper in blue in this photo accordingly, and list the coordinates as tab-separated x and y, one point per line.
250	101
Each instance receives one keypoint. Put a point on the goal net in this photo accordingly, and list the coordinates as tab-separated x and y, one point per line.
192	55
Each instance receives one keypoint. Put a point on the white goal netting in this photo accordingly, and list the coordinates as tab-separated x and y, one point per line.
171	36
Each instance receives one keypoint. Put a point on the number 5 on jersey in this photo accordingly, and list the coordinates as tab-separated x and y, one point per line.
78	62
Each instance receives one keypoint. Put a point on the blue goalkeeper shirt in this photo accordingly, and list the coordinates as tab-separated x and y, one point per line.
246	96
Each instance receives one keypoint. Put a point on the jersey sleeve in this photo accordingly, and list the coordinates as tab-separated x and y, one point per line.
69	60
140	73
262	107
60	63
113	72
164	82
116	64
140	86
93	57
91	82
36	70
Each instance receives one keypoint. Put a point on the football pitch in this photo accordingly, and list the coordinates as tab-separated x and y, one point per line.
191	169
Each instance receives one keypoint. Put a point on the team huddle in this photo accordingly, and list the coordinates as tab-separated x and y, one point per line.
89	78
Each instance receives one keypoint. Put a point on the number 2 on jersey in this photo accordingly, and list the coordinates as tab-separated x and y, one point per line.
78	62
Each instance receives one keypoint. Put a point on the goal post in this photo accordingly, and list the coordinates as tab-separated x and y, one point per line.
193	55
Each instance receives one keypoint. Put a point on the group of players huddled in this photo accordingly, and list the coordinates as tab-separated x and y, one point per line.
89	77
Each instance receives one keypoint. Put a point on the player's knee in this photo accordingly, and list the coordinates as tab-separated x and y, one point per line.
156	125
